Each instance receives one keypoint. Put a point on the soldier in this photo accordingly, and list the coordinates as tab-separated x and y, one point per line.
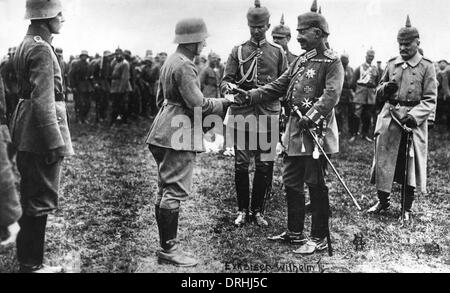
365	80
281	35
10	84
408	87
10	209
443	100
150	77
210	77
39	130
64	70
313	83
250	65
101	74
81	83
178	95
134	95
120	87
344	111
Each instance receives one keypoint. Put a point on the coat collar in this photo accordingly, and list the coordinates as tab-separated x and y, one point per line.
182	50
258	44
413	62
40	30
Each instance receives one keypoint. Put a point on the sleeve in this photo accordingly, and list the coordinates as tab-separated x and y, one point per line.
159	95
10	209
383	80
422	111
231	70
283	64
2	103
334	81
43	97
188	85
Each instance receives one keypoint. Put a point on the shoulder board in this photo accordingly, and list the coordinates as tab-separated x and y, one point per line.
331	54
426	59
38	39
392	59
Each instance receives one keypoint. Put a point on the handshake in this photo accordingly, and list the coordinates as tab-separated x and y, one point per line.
237	96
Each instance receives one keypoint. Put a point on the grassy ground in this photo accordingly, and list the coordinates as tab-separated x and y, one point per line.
106	220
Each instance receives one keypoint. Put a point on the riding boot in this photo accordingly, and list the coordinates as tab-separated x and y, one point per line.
296	210
261	186
30	243
242	190
383	203
320	211
171	253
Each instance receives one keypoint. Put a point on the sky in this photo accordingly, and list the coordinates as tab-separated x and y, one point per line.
138	25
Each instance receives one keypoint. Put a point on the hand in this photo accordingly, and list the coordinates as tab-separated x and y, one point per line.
242	98
230	88
12	232
306	123
409	121
390	88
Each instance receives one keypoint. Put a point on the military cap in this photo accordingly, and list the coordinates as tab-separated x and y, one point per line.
85	53
59	51
107	53
42	9
258	16
190	30
408	33
281	30
345	55
313	19
213	55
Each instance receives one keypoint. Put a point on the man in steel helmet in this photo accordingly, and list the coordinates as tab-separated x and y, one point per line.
39	130
179	96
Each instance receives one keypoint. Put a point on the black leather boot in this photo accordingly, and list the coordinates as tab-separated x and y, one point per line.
261	187
382	205
296	210
320	211
242	190
408	204
30	245
171	253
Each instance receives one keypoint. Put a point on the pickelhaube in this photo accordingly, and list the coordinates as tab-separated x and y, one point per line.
281	30
371	51
408	33
42	9
258	16
313	19
190	30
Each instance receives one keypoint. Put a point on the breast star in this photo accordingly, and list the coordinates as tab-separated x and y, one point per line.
310	73
307	103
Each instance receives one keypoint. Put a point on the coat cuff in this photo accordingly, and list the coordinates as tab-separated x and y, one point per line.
52	136
314	116
255	97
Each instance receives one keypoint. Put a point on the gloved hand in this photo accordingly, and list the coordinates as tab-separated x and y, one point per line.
242	98
409	121
390	88
306	123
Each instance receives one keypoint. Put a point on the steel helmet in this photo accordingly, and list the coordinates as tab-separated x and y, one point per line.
190	30
42	9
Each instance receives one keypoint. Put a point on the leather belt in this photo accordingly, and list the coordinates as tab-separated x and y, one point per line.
403	103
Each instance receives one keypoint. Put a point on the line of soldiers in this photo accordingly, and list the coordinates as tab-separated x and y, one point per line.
262	81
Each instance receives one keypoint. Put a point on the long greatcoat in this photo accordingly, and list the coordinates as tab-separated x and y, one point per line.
416	79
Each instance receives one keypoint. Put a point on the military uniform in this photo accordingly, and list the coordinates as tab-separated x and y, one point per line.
411	102
182	106
41	136
443	100
101	74
344	111
313	83
120	89
10	209
81	82
249	66
150	77
365	80
10	85
209	82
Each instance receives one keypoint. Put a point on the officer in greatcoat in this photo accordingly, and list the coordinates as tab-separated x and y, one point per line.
251	65
39	130
408	89
176	134
313	83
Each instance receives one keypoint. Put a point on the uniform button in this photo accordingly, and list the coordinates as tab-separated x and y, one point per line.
394	73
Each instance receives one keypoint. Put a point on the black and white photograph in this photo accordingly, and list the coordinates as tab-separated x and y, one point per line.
226	137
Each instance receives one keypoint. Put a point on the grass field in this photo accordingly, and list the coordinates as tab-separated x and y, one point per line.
106	217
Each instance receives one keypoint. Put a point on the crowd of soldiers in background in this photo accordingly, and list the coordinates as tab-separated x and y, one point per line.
120	86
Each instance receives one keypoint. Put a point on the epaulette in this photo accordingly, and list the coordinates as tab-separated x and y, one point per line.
425	58
392	59
331	54
38	39
276	45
